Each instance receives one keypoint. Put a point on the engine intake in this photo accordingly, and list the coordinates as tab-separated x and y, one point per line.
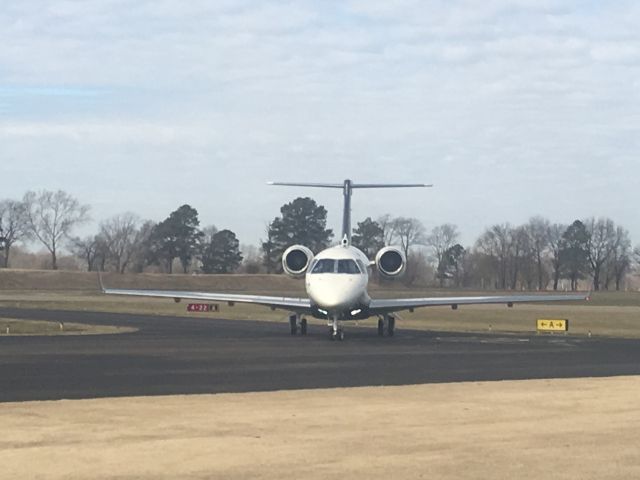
391	261
296	260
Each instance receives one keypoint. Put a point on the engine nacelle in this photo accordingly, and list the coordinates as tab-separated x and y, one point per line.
391	261
296	260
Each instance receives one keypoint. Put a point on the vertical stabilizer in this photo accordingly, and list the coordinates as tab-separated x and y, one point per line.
346	214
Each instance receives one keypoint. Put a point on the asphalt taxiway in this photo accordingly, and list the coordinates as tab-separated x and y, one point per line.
176	355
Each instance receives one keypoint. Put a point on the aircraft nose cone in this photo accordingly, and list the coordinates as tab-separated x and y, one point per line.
333	294
334	301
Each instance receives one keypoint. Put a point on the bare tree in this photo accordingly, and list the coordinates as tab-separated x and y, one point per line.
555	234
88	249
51	217
441	239
522	258
141	253
538	232
13	227
600	245
387	224
478	269
496	242
122	237
418	272
409	232
621	256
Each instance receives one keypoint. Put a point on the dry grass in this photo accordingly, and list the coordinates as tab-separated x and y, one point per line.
584	318
609	313
551	429
44	280
20	326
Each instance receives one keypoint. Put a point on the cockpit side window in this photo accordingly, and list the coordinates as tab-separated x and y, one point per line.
324	265
362	266
348	266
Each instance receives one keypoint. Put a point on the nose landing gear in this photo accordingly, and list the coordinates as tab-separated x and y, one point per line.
335	330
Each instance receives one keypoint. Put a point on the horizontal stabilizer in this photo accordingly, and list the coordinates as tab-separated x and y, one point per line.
347	187
352	185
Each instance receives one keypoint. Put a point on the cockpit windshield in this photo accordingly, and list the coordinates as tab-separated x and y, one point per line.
324	265
329	265
348	266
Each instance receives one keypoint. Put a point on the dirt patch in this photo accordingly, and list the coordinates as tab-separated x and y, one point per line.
558	429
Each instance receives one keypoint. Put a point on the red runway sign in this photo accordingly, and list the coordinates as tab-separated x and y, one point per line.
202	307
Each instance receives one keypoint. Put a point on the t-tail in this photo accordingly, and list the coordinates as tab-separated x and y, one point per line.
347	188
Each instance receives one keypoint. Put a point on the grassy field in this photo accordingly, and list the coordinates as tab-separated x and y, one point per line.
608	313
20	326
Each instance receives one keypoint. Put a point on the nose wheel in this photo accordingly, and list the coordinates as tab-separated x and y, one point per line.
339	335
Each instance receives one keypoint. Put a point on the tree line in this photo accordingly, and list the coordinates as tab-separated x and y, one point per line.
536	255
123	242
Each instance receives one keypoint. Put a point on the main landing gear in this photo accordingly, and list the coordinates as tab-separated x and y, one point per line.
386	322
297	324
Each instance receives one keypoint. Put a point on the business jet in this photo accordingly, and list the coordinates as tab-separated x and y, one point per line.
336	281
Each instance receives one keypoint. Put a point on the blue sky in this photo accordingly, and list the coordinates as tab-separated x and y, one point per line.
511	108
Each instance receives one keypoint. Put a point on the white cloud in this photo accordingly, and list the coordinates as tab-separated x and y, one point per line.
617	52
490	100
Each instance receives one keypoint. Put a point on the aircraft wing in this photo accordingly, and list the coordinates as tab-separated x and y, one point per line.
296	304
395	304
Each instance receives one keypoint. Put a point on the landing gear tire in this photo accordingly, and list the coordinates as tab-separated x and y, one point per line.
339	335
380	327
391	326
293	325
303	326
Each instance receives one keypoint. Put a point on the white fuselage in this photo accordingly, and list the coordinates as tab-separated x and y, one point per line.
334	286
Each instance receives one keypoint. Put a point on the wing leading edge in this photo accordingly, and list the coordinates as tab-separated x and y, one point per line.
295	304
376	306
395	304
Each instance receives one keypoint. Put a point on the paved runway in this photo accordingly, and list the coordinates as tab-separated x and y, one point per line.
194	355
